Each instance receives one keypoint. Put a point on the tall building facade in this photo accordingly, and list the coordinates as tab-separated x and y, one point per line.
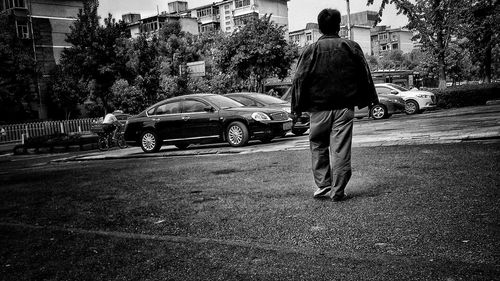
228	15
365	18
311	34
152	25
44	24
385	39
373	40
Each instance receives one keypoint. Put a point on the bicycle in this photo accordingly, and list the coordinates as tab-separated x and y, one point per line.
105	140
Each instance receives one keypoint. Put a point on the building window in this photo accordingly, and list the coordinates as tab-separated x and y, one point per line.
309	37
207	12
382	36
228	17
394	46
226	7
242	20
295	38
211	27
228	28
228	22
242	3
227	12
9	4
343	33
23	31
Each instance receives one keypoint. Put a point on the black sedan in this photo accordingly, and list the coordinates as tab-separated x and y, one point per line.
300	125
203	118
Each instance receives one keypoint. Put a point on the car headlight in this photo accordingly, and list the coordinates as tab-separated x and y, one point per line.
287	109
422	96
260	116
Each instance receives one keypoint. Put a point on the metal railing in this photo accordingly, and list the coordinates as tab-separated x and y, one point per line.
18	132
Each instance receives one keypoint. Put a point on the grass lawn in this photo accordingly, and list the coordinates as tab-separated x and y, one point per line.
416	213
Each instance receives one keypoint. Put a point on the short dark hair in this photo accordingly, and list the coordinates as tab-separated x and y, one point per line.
329	21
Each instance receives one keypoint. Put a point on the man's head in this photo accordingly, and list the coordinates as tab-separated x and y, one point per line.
329	21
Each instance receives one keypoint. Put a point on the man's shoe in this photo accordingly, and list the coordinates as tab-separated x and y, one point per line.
338	198
322	191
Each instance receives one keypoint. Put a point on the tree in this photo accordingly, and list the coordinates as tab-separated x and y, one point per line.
435	22
256	51
93	59
129	98
175	52
372	62
66	92
143	66
458	62
480	25
17	71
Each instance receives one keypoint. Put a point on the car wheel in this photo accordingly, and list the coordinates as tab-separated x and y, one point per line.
150	142
181	145
378	112
298	132
411	107
237	134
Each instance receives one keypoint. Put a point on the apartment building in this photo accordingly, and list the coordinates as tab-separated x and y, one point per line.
151	25
385	38
44	25
365	18
372	40
228	15
311	34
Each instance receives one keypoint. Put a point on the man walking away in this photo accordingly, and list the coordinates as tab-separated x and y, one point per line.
332	78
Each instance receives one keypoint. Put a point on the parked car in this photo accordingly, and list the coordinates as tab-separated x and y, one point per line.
299	127
388	105
203	118
300	123
415	101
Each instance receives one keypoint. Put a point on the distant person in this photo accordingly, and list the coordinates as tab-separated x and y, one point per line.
110	123
332	78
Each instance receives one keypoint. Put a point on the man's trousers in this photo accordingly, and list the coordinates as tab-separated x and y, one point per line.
330	140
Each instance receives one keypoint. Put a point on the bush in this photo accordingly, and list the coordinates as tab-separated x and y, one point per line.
467	95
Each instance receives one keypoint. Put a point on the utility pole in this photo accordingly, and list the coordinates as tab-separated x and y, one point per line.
349	31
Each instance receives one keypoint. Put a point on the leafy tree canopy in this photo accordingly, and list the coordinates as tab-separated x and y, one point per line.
17	71
256	51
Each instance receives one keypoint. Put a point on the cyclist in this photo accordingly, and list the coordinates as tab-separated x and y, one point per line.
111	124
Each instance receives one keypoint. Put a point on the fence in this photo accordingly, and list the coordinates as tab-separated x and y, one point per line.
15	132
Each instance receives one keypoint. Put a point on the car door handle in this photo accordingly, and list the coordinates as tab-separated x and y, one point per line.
185	118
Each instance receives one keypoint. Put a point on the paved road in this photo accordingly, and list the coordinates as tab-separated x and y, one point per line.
440	126
479	123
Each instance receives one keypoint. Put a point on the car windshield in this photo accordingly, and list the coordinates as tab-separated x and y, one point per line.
399	88
265	99
223	102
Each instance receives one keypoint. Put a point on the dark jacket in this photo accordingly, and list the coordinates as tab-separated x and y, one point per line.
332	74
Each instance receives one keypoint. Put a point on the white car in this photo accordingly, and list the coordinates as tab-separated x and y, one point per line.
415	101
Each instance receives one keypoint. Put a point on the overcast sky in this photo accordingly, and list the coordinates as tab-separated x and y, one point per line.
300	12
